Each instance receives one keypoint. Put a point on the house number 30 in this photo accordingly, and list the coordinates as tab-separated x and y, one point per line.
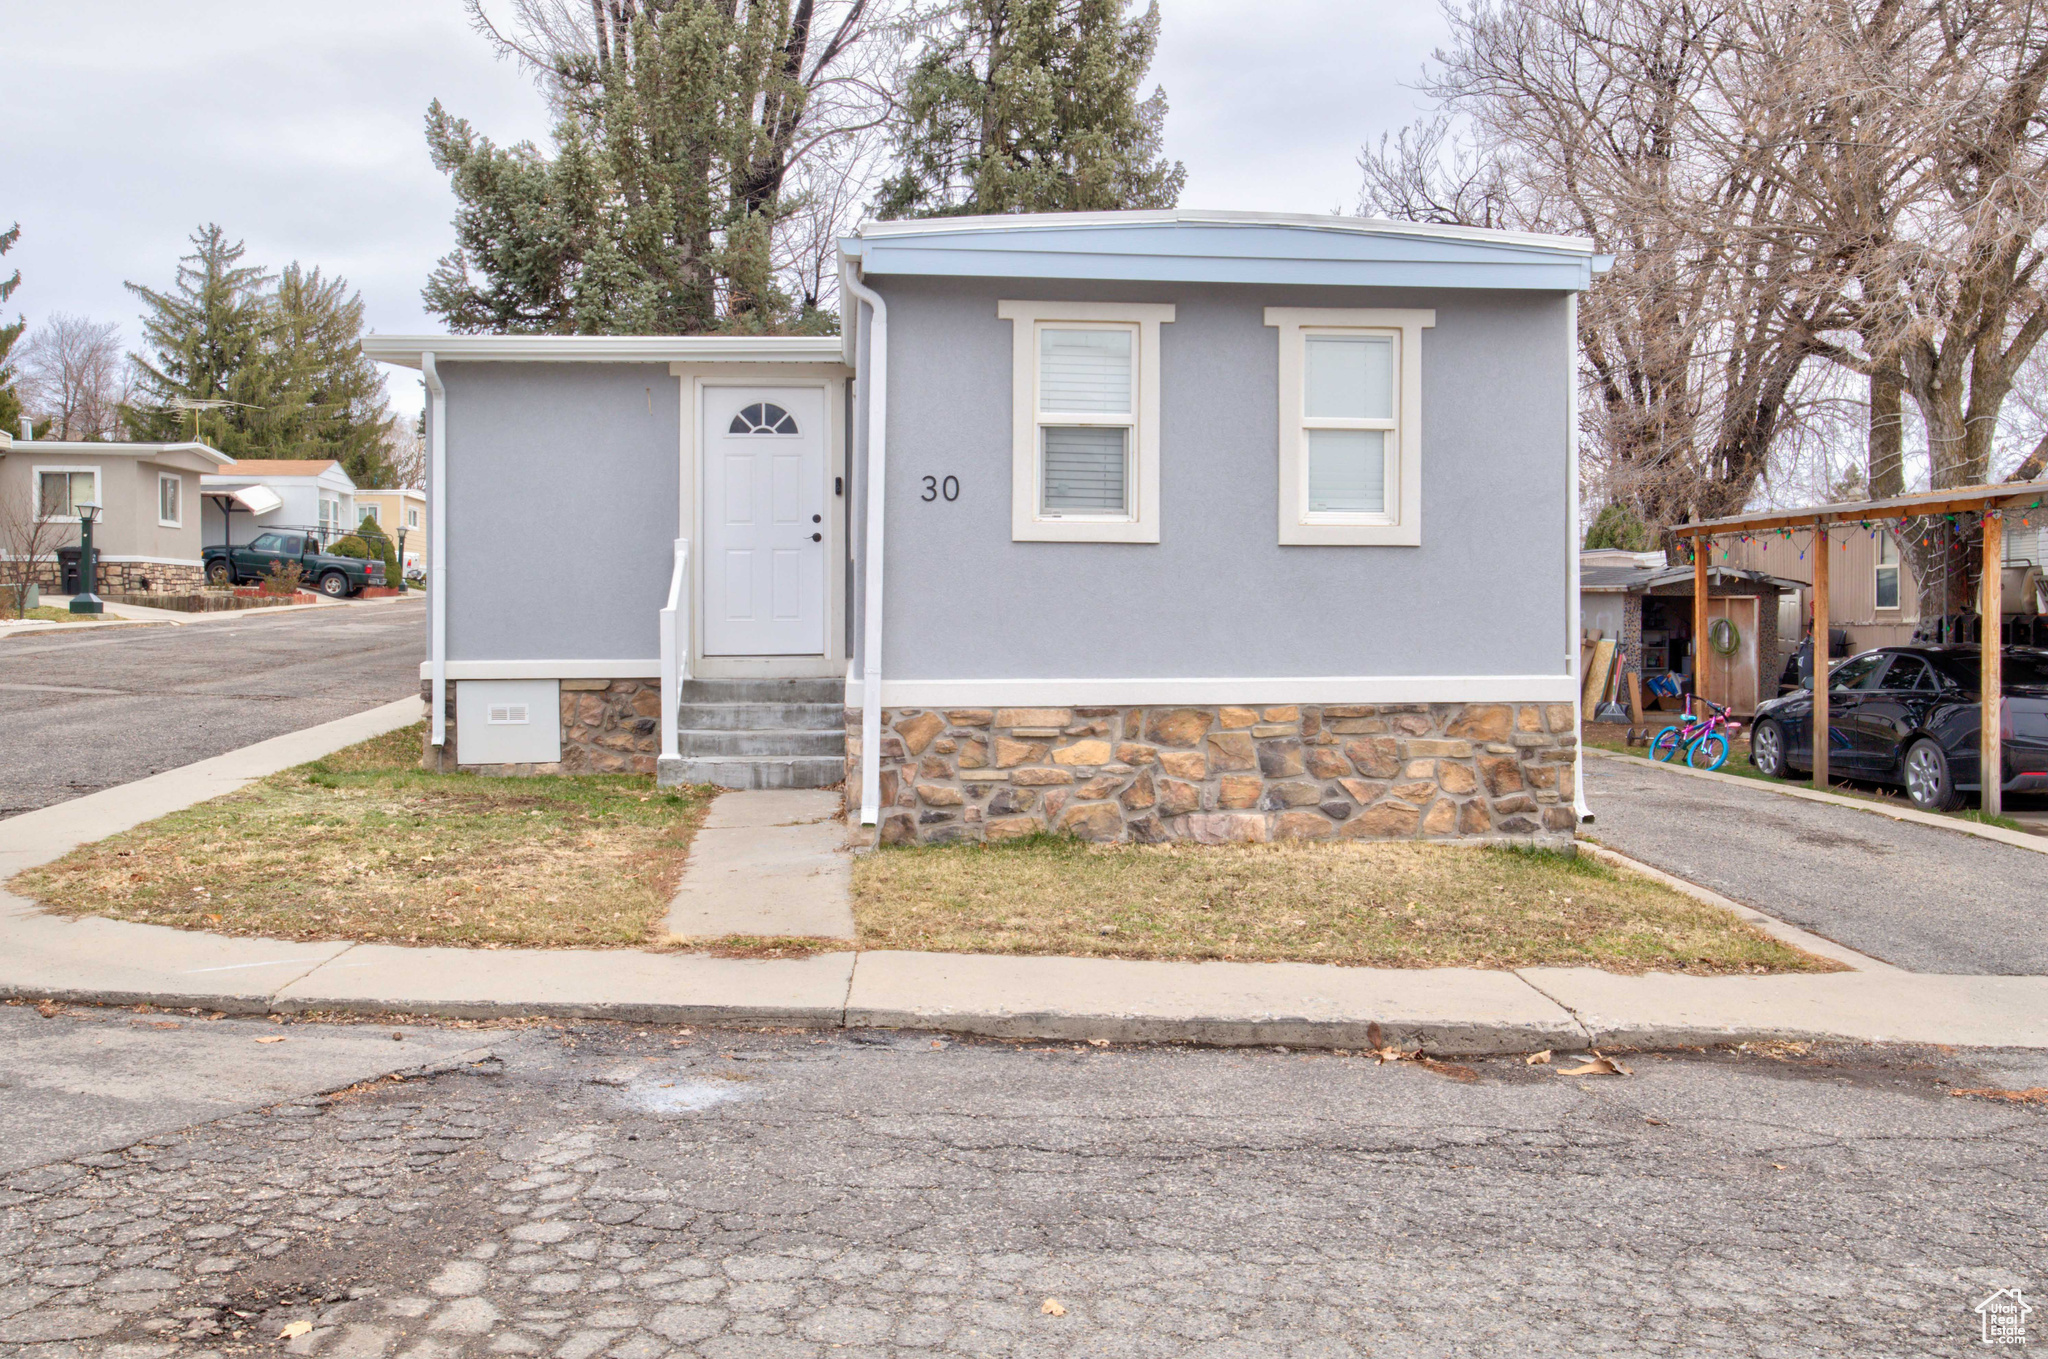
934	488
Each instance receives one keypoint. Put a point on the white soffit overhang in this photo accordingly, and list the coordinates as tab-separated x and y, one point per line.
1225	247
405	350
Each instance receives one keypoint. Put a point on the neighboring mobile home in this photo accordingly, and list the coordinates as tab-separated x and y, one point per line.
255	494
147	537
402	515
1143	525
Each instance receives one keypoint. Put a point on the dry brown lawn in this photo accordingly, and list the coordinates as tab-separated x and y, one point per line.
1365	905
364	845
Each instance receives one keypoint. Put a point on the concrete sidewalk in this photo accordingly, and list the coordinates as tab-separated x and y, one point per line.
769	864
1447	1010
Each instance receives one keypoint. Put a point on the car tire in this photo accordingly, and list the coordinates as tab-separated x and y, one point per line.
1929	782
220	573
334	585
1767	750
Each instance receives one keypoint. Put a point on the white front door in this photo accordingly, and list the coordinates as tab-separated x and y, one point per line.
764	521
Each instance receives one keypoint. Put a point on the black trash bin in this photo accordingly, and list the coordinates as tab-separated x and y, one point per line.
67	570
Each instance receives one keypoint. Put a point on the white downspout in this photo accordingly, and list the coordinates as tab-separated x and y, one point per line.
871	549
437	548
1574	623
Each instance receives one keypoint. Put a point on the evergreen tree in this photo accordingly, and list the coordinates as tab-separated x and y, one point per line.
206	335
657	208
283	359
10	403
326	398
1032	106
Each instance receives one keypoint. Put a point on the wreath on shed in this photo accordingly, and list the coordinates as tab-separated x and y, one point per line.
1724	636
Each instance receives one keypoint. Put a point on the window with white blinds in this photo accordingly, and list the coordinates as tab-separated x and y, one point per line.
1084	374
1086	391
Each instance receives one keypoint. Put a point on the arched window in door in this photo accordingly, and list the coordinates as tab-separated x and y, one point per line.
763	417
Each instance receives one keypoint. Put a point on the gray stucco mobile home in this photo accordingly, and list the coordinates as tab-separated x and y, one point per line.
1142	525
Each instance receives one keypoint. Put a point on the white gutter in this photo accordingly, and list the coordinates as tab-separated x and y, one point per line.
1575	623
871	548
437	548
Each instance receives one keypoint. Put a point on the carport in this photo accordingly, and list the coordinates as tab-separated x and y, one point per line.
1829	525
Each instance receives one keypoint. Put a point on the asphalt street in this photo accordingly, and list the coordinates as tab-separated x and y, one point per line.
83	711
653	1193
1920	898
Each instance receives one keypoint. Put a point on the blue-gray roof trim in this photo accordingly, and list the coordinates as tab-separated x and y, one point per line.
1210	247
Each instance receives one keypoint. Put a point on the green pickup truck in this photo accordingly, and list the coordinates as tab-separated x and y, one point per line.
248	563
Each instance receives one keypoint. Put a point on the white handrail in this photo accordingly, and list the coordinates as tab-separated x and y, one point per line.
675	649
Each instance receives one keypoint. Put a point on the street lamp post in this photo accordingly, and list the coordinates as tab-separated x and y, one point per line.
86	601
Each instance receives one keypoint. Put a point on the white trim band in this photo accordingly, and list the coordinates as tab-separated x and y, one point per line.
1086	693
559	669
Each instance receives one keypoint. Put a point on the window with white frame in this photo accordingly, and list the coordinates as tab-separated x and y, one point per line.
330	516
368	513
412	517
1085	399
1887	584
170	504
61	490
1350	424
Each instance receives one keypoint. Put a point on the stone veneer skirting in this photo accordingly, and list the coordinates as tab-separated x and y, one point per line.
608	727
124	577
1224	774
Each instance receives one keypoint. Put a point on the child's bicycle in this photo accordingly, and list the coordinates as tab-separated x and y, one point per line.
1703	739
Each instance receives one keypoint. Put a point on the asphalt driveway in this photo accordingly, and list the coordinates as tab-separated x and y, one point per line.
82	711
1924	899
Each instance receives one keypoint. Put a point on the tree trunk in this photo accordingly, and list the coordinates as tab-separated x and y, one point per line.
1886	469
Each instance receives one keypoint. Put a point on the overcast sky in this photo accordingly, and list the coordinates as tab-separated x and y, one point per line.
297	127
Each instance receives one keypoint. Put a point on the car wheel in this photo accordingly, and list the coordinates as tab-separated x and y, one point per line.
334	585
1767	750
1928	781
219	574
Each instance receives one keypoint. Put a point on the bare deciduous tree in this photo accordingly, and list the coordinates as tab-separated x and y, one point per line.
29	540
1631	122
72	374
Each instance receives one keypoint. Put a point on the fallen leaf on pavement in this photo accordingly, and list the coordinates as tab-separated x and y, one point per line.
273	1038
1656	1121
1451	1069
1052	1308
1537	1058
294	1329
2035	1095
1596	1066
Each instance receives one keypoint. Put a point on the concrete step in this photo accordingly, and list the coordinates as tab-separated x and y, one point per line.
762	716
719	742
743	771
831	691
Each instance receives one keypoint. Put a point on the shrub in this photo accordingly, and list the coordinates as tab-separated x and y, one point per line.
283	578
350	546
380	545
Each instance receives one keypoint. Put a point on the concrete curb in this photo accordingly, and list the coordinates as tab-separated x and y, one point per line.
2017	839
1447	1011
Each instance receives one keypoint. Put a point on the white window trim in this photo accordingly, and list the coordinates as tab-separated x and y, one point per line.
179	482
1401	528
1878	565
97	499
1027	525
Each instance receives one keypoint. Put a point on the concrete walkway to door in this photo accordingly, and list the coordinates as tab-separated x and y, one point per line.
768	865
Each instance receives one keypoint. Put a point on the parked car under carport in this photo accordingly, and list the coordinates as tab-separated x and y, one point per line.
1909	716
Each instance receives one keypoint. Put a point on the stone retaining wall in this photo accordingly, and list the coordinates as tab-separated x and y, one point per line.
608	727
1224	774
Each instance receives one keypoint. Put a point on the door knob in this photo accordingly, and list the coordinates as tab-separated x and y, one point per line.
817	519
817	537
